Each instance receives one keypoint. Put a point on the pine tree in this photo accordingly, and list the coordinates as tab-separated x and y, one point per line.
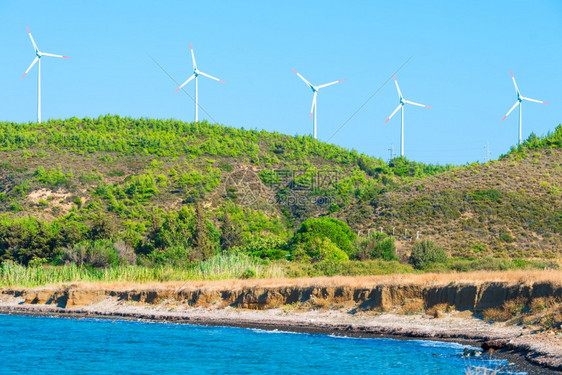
230	233
201	241
102	227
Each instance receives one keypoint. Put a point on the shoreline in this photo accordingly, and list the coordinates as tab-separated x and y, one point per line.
442	307
300	322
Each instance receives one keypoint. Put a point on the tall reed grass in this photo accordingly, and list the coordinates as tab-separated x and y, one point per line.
220	267
240	266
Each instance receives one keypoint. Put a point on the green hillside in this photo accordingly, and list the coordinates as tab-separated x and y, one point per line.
166	189
506	208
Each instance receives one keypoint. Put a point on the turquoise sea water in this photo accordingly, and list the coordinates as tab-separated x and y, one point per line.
77	346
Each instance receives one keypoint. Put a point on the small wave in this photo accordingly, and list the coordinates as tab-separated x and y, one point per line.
275	331
444	344
358	338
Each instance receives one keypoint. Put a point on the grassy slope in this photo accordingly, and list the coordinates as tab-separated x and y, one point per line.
133	170
511	207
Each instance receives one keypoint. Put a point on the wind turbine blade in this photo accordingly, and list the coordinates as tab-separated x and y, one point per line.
534	100
397	87
393	113
329	84
32	63
304	80
211	77
193	57
52	55
31	37
512	108
313	104
185	83
514	83
418	104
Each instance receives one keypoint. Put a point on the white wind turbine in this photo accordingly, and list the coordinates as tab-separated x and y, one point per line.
38	55
196	73
520	99
315	89
401	106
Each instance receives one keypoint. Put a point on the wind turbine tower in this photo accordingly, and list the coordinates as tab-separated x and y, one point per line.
196	73
37	59
401	107
315	89
519	101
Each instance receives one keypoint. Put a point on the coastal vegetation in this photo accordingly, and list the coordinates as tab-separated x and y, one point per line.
155	200
240	266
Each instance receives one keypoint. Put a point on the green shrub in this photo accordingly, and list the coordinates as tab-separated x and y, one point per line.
479	248
16	206
248	274
142	187
77	201
318	249
385	249
53	177
176	256
334	207
506	237
267	247
97	254
37	262
426	252
378	245
491	195
332	229
23	188
269	177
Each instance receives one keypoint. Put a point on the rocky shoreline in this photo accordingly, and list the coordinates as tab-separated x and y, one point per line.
328	310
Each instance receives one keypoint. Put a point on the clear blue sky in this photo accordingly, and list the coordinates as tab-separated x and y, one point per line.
462	55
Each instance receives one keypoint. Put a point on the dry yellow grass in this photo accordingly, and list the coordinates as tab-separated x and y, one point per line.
540	305
543	313
426	279
413	306
509	310
438	310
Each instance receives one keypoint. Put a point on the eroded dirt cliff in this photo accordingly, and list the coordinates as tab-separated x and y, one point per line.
476	297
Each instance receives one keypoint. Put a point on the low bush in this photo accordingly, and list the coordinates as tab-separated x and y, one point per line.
334	230
377	246
248	274
318	249
175	256
267	247
426	252
98	254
